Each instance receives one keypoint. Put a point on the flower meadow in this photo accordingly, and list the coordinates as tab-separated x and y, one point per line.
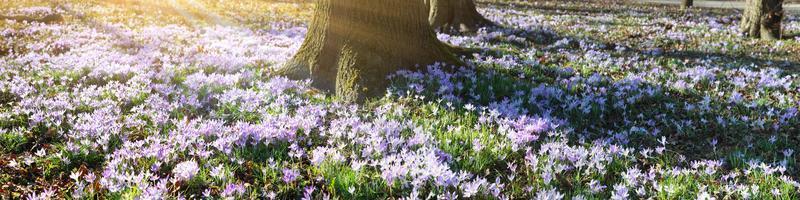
564	100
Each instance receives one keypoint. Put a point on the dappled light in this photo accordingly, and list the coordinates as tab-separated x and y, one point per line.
345	99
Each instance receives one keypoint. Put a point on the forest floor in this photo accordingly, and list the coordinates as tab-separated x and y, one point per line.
154	99
790	7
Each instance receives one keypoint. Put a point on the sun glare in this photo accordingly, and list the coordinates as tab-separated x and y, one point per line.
399	99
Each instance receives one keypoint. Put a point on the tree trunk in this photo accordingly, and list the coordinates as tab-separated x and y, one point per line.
685	4
762	18
453	16
52	18
353	45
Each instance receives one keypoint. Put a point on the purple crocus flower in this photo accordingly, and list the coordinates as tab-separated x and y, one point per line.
290	175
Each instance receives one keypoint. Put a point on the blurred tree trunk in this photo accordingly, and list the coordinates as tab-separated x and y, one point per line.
352	45
52	18
685	4
454	16
762	19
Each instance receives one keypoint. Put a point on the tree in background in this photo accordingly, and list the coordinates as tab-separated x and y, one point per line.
762	19
51	18
685	4
455	16
353	45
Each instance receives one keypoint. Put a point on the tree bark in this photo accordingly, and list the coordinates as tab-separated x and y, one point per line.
456	16
762	19
685	4
353	45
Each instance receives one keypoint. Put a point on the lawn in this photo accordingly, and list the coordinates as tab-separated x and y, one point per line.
150	99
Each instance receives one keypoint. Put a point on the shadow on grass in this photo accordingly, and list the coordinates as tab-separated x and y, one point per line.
545	38
601	7
565	7
724	59
690	131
